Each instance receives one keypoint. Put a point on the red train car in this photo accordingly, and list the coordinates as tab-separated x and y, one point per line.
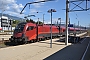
25	32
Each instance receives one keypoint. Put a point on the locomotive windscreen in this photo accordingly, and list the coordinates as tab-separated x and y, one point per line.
20	27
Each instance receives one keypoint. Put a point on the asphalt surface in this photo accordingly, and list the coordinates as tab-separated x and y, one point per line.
72	52
87	54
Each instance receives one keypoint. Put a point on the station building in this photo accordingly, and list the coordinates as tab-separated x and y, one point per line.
5	23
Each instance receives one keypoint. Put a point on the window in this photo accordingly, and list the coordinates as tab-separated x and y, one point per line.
19	27
30	28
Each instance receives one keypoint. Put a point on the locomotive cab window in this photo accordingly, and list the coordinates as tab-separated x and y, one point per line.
30	28
19	27
58	28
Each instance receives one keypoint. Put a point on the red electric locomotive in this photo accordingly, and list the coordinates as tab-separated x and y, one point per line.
25	32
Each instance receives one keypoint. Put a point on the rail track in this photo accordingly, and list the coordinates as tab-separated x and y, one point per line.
7	43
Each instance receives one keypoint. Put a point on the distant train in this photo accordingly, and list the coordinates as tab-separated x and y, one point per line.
26	31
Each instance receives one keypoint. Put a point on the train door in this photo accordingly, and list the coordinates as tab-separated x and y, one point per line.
37	31
31	32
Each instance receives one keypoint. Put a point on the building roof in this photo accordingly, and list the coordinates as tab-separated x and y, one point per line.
4	17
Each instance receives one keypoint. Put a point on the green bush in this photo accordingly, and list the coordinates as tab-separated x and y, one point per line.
7	31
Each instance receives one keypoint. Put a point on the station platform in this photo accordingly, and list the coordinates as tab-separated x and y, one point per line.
42	51
78	34
73	52
5	37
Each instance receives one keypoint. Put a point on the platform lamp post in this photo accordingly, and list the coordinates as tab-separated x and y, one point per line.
59	25
50	11
38	19
78	21
67	12
43	18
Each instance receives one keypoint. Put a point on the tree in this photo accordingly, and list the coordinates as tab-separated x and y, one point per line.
39	22
15	22
27	20
32	21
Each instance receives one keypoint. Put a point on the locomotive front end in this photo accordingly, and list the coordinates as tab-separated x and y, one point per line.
18	34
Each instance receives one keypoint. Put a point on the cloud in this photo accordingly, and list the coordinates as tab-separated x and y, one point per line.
33	11
15	14
16	7
10	6
47	22
54	21
38	5
4	4
57	0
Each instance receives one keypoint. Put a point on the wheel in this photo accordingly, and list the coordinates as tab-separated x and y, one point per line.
33	41
38	40
25	40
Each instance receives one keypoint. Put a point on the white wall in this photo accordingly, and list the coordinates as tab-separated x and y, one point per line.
6	28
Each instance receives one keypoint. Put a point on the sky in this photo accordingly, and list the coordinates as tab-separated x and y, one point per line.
14	7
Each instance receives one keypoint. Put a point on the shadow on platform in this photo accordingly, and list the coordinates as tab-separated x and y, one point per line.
72	52
52	43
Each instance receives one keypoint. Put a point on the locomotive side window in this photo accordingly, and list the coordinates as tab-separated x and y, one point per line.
30	28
